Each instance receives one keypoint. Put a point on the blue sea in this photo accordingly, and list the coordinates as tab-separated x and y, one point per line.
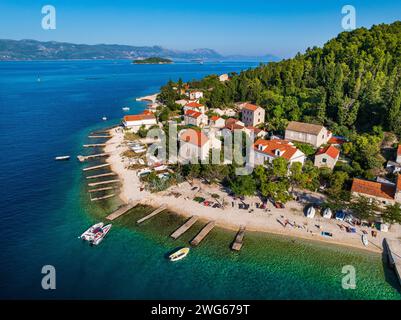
45	206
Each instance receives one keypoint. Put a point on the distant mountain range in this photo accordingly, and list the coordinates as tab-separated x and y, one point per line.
52	50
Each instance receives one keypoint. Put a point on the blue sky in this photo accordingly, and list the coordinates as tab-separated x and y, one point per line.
251	27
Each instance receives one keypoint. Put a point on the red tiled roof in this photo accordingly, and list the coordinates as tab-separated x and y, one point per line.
250	107
194	105
399	150
271	146
195	137
138	117
254	129
193	114
331	151
399	183
336	140
214	118
372	188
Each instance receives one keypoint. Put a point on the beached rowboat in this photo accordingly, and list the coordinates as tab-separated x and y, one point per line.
365	240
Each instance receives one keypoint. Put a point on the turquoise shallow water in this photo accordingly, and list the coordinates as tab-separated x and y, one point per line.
45	206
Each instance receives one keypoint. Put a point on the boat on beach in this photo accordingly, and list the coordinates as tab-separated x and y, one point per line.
311	212
327	213
60	158
99	234
365	240
326	234
178	255
89	233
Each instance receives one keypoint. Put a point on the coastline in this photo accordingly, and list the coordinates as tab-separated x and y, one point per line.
232	218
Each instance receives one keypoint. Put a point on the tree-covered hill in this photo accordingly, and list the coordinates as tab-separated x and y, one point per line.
353	82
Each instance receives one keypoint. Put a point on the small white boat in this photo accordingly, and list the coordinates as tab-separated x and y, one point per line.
125	108
365	240
100	234
178	255
327	213
311	212
139	150
88	234
62	158
104	118
160	168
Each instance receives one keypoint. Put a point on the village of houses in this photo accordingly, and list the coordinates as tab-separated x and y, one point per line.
201	134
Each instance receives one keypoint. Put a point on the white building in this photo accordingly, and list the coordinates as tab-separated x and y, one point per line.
194	106
195	118
217	122
194	94
194	145
327	157
313	134
224	77
267	150
252	115
134	122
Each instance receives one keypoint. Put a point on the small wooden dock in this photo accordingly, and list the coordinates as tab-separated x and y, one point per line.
152	214
96	167
203	233
92	156
108	174
120	211
94	184
188	224
94	145
237	244
104	197
99	137
393	248
102	189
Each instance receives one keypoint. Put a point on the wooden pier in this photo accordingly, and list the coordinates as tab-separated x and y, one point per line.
99	137
96	167
237	244
104	197
102	189
93	184
94	145
155	212
92	156
108	174
188	224
120	211
203	233
393	249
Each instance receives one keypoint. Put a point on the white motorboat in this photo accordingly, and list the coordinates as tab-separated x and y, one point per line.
327	213
104	118
88	234
178	255
365	240
100	234
125	108
310	213
59	158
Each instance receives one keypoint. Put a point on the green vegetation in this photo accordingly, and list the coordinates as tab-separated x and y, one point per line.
153	60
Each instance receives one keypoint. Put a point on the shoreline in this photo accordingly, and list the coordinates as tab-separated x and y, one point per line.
232	218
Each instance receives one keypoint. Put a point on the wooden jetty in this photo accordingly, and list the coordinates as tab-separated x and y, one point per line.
150	215
120	211
96	167
108	174
203	233
237	244
99	137
393	249
102	189
104	197
188	224
93	184
94	145
92	156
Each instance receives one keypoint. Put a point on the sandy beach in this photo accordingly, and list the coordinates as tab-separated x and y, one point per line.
179	199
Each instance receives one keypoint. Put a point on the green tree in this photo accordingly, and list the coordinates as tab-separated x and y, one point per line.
392	214
364	208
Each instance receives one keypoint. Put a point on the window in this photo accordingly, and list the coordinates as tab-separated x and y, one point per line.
324	160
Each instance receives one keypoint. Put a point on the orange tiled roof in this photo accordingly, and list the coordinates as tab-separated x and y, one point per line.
214	118
194	105
331	151
336	140
250	107
271	146
193	114
139	117
399	183
372	188
399	150
195	137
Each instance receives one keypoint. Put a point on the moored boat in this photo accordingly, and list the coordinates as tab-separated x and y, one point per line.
327	213
365	240
178	255
125	108
87	235
59	158
104	118
99	234
311	212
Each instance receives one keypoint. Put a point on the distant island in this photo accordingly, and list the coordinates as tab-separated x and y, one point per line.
153	60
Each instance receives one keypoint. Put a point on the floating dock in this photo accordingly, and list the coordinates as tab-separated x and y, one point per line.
155	212
203	233
102	189
94	145
188	224
120	211
93	184
393	248
237	244
99	137
96	167
92	156
108	174
104	197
